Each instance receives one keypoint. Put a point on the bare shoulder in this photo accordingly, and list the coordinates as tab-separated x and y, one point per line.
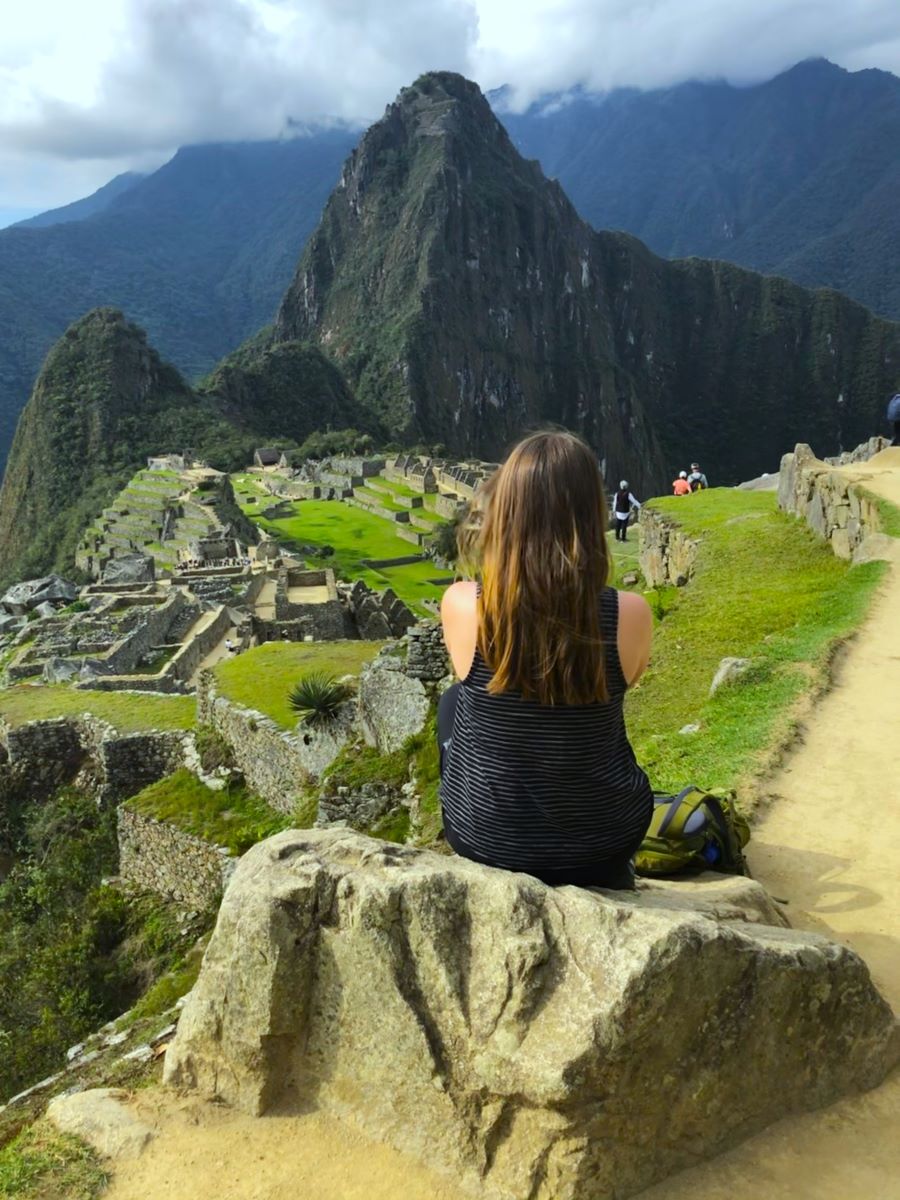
460	598
635	610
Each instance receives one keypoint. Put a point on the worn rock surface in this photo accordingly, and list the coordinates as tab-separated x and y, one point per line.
728	670
100	1117
666	555
392	706
835	507
532	1042
130	568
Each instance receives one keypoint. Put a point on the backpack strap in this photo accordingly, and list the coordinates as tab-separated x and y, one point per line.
677	814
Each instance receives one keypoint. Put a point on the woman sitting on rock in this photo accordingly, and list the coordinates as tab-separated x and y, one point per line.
537	773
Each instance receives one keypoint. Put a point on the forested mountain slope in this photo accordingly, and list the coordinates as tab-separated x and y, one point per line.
105	400
198	253
798	176
466	300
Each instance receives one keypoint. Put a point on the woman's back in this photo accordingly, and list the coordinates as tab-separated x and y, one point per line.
532	786
537	772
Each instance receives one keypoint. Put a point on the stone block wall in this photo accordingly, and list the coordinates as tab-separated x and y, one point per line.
666	554
426	655
183	664
862	453
128	763
447	506
410	535
157	856
399	518
832	504
126	654
358	807
41	756
276	763
356	465
378	615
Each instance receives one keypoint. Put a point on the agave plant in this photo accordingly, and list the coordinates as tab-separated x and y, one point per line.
317	696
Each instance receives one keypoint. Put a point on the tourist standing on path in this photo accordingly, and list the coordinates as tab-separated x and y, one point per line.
537	773
680	486
697	479
623	503
893	415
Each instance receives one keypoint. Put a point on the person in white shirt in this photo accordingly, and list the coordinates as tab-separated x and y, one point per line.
623	503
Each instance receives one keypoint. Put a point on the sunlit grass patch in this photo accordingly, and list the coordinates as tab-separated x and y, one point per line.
232	817
766	589
262	678
129	712
42	1164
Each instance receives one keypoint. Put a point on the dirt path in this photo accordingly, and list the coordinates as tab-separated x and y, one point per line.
830	845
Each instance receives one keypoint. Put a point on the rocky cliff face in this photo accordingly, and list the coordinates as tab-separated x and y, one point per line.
457	288
466	300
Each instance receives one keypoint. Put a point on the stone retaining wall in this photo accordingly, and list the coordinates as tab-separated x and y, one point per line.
832	504
275	763
666	554
447	506
41	756
404	561
426	656
126	654
410	535
379	510
157	856
191	655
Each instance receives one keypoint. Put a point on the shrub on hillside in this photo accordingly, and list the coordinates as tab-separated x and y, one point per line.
317	696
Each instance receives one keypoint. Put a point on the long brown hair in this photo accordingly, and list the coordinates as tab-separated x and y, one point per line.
544	562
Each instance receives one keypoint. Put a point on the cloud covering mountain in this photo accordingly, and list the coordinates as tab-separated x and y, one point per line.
90	90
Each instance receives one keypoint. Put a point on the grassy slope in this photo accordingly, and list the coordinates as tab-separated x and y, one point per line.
129	712
232	817
765	589
354	533
261	678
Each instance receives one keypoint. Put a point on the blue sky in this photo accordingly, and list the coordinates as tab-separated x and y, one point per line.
93	88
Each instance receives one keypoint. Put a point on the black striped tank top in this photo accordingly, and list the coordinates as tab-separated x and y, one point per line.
528	786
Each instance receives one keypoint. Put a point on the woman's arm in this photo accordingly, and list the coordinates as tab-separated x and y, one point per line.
635	635
459	617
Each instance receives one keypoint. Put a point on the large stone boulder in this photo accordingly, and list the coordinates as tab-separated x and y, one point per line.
529	1041
23	597
130	568
392	706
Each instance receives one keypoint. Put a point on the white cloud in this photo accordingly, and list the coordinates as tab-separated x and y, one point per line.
88	89
553	45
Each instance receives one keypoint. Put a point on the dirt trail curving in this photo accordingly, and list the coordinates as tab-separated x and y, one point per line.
830	845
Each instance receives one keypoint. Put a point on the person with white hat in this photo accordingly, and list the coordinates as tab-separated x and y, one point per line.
623	503
680	486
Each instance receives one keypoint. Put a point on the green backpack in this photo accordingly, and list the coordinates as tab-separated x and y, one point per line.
694	830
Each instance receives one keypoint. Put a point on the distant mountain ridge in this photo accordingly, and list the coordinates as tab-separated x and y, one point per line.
466	300
80	210
451	293
198	253
798	176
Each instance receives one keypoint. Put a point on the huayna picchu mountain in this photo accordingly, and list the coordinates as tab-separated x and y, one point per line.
452	294
466	300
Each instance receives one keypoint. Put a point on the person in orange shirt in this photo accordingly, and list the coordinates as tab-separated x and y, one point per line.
680	486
